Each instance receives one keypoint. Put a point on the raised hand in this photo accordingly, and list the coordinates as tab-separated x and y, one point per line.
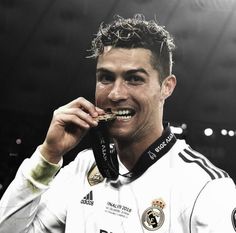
68	126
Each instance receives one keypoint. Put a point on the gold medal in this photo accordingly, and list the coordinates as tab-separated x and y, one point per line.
106	117
154	217
94	176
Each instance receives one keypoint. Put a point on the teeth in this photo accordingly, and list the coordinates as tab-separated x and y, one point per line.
123	117
122	112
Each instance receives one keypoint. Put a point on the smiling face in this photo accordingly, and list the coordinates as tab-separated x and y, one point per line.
129	85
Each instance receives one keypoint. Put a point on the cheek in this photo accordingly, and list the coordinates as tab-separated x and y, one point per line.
152	105
152	97
100	94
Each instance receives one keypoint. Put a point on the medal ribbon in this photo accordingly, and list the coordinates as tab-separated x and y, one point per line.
106	156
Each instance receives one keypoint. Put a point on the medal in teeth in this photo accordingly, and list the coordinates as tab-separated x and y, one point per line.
106	117
120	114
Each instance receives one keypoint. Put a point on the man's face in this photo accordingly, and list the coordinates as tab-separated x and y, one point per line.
129	86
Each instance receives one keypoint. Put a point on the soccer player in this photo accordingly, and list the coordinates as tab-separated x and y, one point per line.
137	177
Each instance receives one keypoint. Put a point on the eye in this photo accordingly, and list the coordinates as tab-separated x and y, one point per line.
105	78
135	79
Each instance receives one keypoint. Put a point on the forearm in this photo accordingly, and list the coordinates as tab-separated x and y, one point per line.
19	204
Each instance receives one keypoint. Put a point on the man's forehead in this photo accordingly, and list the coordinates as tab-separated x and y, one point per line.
124	58
107	49
110	48
133	53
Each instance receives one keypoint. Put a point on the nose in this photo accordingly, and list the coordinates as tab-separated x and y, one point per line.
118	91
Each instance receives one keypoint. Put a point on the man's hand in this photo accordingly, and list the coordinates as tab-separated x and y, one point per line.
68	126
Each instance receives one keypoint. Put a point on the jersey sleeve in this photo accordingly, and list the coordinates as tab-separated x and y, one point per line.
214	208
21	209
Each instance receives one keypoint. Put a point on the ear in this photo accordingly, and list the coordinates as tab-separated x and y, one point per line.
168	86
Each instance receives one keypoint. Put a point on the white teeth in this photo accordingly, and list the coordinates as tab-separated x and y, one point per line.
122	112
123	117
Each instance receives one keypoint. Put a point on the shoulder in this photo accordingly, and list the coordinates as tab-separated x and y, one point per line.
194	174
215	206
196	164
202	185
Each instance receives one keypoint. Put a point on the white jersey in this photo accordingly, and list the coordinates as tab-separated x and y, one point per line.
182	192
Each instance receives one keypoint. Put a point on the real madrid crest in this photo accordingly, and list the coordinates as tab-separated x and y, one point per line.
94	176
154	217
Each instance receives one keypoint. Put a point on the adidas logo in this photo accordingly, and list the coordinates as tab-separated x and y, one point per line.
88	199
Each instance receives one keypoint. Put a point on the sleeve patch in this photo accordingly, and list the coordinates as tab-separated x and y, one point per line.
233	217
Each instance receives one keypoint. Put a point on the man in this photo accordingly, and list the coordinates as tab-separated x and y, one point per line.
138	177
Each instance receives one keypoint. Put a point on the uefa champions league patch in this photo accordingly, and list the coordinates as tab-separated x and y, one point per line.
154	217
233	217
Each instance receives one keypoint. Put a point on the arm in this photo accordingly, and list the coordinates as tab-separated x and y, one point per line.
21	200
21	209
214	208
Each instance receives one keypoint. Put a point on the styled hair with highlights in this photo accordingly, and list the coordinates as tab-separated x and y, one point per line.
137	32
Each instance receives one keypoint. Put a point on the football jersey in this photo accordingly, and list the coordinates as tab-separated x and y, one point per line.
182	192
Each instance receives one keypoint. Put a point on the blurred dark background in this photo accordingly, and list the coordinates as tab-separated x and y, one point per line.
43	45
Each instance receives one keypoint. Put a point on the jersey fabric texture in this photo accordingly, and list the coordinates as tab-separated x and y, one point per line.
181	193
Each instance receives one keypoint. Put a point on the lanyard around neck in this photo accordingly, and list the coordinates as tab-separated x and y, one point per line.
106	155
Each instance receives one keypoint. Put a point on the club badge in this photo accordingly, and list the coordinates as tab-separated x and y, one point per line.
154	217
234	218
94	176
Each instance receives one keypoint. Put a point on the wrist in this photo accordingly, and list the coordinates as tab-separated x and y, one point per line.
50	155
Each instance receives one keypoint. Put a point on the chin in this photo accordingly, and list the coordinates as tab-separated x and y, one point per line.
120	134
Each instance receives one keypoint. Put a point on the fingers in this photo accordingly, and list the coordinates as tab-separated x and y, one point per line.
87	106
99	111
68	126
80	112
76	116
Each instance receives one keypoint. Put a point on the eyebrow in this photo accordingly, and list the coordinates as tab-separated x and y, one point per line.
133	71
138	70
103	70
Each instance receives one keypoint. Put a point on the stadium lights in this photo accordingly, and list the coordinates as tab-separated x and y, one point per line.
208	132
224	132
176	130
231	133
18	141
179	129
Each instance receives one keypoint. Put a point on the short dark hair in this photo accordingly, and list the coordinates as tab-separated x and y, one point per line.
137	32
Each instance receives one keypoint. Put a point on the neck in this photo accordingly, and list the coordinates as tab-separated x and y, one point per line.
129	151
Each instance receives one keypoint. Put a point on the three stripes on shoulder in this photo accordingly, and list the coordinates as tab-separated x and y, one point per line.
191	156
